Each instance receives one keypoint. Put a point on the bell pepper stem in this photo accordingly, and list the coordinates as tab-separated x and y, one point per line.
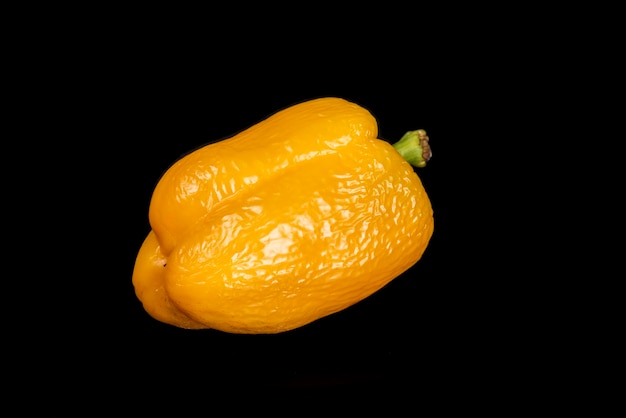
414	148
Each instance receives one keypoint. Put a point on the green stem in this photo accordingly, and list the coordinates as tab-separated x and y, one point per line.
414	147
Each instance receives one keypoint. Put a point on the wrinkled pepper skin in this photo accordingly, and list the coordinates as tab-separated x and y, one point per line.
295	218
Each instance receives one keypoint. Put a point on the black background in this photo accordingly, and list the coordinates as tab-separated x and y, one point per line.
125	111
499	312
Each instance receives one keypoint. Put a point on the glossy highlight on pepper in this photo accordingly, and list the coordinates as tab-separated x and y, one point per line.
293	219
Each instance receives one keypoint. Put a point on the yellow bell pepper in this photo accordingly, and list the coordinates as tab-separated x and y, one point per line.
295	218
